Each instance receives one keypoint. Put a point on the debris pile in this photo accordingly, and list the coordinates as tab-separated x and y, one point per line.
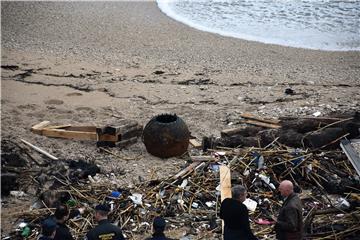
191	197
325	179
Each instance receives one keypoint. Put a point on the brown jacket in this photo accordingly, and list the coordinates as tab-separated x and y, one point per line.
289	224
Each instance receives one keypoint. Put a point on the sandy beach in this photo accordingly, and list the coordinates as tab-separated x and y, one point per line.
96	62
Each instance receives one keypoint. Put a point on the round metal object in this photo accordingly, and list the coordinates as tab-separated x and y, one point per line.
166	135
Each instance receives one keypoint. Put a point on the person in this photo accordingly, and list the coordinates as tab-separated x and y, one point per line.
104	230
61	215
48	229
289	223
159	225
236	216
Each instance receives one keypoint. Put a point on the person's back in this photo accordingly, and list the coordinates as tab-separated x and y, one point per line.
236	217
105	230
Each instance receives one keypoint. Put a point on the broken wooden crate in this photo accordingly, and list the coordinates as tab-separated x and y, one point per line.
122	134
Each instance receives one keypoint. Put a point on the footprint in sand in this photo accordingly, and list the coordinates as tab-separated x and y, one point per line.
54	102
73	94
86	109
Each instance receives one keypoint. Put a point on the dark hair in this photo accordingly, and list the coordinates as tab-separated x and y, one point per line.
159	224
61	211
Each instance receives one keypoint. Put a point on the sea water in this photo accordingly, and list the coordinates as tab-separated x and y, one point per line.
314	24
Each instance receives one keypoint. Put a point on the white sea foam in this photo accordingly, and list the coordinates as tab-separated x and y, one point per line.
332	25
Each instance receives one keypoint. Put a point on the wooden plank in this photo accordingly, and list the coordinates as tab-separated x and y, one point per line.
38	127
351	154
109	138
59	126
195	143
225	182
261	124
60	133
225	186
250	116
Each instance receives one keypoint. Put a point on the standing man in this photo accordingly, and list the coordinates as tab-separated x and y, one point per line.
105	230
289	223
236	217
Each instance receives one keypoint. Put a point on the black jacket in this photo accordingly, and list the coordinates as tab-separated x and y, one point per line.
289	224
105	230
63	232
236	220
45	238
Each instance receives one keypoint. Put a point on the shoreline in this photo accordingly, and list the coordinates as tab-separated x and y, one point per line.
166	10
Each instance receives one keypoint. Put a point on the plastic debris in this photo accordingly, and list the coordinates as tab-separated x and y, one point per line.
136	198
250	204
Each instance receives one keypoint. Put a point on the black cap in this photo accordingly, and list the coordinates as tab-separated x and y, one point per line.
49	225
102	207
159	222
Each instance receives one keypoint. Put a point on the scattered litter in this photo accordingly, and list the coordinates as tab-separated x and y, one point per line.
136	198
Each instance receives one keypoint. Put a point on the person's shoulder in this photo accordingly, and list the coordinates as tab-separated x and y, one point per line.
227	201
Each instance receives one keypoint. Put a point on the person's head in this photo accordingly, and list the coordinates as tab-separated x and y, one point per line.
239	193
286	188
62	213
101	212
48	228
159	224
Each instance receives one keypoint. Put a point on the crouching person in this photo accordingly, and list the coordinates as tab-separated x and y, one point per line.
105	230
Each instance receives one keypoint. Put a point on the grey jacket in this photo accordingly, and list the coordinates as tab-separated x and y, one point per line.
289	224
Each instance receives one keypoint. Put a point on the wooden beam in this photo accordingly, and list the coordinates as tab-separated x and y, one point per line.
250	116
225	186
225	182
